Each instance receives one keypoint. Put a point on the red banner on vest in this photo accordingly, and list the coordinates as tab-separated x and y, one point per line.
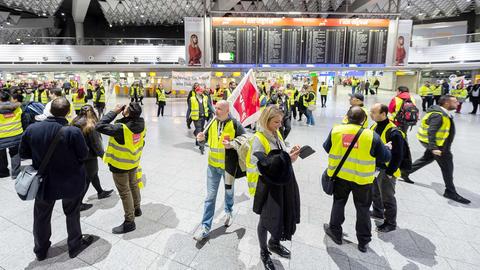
244	101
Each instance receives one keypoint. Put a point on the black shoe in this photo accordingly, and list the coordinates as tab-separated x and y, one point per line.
266	260
455	197
4	175
86	241
85	206
138	212
328	231
376	215
125	227
202	150
41	256
105	194
385	228
473	113
362	247
278	249
407	179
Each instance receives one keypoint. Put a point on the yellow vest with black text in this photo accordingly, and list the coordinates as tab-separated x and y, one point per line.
441	135
43	97
102	95
252	170
359	167
161	95
365	124
125	156
11	124
216	155
383	137
78	103
195	107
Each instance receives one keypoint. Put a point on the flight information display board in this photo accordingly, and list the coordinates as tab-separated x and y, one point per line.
367	45
240	42
323	45
280	45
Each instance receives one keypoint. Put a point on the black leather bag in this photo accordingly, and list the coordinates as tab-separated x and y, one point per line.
328	183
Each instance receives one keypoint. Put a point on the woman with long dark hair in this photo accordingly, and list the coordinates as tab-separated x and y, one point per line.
86	120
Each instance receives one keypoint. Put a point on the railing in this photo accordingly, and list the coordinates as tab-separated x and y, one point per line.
446	40
95	41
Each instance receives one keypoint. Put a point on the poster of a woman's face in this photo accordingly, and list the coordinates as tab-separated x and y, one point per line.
194	52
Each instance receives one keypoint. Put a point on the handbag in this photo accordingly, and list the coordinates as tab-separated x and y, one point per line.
29	180
328	182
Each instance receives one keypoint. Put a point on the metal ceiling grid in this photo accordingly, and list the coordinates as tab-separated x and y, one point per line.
38	7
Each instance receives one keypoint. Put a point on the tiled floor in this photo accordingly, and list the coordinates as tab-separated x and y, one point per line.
433	233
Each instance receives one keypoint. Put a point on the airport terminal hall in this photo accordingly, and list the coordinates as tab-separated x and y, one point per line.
240	134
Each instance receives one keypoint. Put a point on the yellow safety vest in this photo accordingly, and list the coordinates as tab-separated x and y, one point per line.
398	105
69	116
139	91
425	91
323	90
252	169
125	156
436	90
139	175
460	94
383	136
195	107
291	96
311	102
442	133
78	103
43	97
161	95
263	97
359	167
11	124
216	155
102	95
365	125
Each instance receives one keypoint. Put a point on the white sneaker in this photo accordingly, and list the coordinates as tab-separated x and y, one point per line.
228	219
201	234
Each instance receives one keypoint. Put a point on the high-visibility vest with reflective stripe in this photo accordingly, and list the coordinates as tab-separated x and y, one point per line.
216	155
311	102
102	96
161	95
398	105
78	103
125	156
43	97
291	96
383	136
139	91
323	90
460	94
139	175
425	91
263	98
436	90
359	167
11	124
365	124
195	107
252	169
442	133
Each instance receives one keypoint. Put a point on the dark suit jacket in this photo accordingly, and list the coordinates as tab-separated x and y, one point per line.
65	174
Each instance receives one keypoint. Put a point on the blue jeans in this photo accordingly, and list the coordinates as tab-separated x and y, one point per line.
310	120
213	180
353	89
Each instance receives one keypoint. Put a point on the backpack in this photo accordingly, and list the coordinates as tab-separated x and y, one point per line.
242	145
408	114
31	110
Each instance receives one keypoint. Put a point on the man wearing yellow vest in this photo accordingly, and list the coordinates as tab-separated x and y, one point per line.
292	94
436	134
123	155
41	95
436	91
222	162
323	94
200	107
356	175
136	93
161	97
357	100
283	103
99	99
11	130
383	193
426	94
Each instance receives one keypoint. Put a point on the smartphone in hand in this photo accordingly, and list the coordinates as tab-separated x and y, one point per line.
306	151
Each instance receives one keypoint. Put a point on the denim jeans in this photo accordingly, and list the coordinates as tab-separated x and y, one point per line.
310	120
213	180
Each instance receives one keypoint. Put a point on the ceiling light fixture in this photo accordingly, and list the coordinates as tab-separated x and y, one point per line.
420	14
187	5
111	25
63	14
409	4
44	14
141	16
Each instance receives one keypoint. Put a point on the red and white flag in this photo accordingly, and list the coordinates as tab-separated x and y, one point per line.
244	101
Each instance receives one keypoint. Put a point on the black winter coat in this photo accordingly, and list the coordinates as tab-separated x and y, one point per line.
277	199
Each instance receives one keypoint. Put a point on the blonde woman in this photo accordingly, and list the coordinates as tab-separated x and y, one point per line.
272	181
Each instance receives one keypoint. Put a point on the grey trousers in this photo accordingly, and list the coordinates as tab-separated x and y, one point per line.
383	197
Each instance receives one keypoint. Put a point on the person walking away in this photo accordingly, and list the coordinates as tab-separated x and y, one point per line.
354	83
357	100
161	97
66	87
475	96
376	85
367	87
426	94
123	154
79	100
301	103
309	102
86	121
64	178
283	103
99	99
11	130
461	95
436	134
323	94
403	109
383	192
355	176
271	180
222	162
437	92
190	94
199	109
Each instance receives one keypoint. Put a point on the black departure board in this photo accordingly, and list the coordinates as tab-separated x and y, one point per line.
240	41
323	45
367	45
280	45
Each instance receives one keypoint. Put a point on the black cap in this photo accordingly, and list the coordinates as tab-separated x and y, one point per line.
357	95
135	110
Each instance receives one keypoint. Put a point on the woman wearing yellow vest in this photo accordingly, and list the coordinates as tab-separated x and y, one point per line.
278	218
161	97
200	107
123	154
11	130
461	95
79	99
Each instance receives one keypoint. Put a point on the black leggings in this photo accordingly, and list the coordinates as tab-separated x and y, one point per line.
262	236
161	108
91	169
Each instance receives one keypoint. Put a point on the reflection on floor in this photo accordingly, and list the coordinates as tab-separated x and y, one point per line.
433	233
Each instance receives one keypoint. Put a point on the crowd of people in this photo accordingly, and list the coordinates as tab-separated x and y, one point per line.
365	160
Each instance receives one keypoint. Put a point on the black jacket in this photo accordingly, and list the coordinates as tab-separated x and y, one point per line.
397	151
94	142
277	198
435	121
136	125
65	173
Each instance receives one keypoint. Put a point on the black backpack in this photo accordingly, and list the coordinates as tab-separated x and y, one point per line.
408	115
406	164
